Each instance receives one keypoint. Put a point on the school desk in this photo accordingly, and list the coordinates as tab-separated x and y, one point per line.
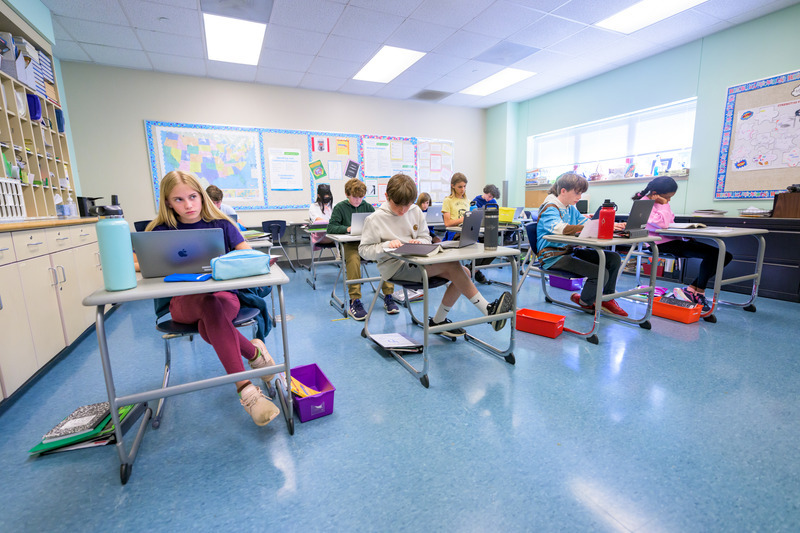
718	235
343	304
468	253
599	245
151	288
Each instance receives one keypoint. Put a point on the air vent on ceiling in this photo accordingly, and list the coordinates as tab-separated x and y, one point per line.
431	96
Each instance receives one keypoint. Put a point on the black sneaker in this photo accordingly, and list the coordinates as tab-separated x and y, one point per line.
452	333
499	306
480	278
389	305
700	298
357	310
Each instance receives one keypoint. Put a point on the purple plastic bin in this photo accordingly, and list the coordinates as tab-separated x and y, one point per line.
573	284
317	405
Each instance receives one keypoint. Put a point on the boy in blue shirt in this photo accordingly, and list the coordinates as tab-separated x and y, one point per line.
490	196
559	216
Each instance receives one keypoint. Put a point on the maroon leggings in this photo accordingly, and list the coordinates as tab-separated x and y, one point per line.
214	314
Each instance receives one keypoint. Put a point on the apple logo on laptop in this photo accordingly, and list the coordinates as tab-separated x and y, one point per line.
183	253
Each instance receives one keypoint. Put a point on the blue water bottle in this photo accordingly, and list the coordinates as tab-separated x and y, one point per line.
116	251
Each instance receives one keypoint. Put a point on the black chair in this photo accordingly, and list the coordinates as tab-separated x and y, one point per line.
173	330
140	225
276	230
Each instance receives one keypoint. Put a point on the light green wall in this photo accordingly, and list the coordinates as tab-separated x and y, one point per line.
37	15
502	121
704	68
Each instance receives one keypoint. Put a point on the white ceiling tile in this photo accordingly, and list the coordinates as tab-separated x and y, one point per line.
541	61
163	18
169	43
106	11
367	25
337	68
503	19
452	13
725	9
364	88
293	40
59	31
273	76
191	66
284	60
459	99
345	48
466	44
402	8
449	84
687	25
585	39
591	11
321	83
87	31
188	4
541	5
438	63
231	71
70	51
118	57
474	71
397	91
416	78
546	31
309	15
419	35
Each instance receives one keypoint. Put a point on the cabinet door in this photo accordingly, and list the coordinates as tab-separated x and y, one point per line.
90	276
38	286
17	357
69	294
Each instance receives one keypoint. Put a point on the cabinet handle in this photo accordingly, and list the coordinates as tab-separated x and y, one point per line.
62	238
63	273
3	249
34	243
55	276
84	234
1	303
98	264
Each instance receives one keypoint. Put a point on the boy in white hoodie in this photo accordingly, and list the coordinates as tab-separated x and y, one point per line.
399	221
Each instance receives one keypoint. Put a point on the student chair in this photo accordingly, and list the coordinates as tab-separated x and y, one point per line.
532	264
317	250
140	225
173	330
276	229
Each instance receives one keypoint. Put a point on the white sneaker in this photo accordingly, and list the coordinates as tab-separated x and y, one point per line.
680	294
257	405
262	360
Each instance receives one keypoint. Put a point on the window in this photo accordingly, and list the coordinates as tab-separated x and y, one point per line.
619	147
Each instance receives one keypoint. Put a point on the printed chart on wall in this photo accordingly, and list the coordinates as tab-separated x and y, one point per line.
760	149
334	160
384	157
286	169
226	156
435	166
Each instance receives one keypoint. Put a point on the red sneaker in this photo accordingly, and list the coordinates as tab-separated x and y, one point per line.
576	299
614	307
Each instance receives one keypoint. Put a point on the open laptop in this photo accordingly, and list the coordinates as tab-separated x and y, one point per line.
470	230
187	251
434	214
357	223
635	227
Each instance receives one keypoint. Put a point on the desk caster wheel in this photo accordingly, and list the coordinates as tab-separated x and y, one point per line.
750	308
645	325
155	423
593	339
424	381
510	359
548	299
710	318
363	333
271	392
125	472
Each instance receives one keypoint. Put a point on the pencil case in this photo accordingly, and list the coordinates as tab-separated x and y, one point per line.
239	264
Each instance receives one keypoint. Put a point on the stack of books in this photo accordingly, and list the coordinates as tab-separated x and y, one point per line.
87	426
397	342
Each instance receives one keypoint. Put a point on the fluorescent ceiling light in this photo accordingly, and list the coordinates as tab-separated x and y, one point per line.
387	64
495	82
645	13
233	40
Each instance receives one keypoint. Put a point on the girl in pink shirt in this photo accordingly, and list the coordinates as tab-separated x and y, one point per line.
662	189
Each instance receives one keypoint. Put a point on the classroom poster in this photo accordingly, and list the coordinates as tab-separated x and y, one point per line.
285	169
317	169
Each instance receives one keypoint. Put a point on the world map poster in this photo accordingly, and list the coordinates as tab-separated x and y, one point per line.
228	157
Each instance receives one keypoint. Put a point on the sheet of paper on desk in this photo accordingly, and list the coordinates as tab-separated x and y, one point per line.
590	230
716	230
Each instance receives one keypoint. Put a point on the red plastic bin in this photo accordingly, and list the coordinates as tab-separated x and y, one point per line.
540	323
318	405
676	313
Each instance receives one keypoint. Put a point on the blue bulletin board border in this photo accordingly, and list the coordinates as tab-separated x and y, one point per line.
727	133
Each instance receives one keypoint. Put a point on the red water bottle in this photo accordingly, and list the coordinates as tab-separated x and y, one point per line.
606	217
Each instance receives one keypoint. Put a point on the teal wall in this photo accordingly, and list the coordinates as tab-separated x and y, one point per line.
37	15
704	69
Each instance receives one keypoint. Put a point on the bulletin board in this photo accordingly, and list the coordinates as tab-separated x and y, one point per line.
435	167
262	168
760	149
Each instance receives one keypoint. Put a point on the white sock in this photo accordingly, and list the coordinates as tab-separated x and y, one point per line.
441	313
480	302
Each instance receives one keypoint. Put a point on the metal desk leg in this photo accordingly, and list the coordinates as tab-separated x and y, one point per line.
337	303
284	389
719	281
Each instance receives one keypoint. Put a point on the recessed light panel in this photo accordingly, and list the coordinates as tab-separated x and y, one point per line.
387	64
505	78
233	40
645	13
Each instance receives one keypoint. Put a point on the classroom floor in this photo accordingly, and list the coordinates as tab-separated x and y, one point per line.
680	428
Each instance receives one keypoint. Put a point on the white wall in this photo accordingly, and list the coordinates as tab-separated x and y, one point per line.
108	107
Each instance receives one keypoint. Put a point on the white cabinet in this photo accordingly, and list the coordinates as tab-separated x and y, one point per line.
39	284
17	355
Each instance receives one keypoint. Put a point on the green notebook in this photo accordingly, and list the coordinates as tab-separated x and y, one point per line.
105	428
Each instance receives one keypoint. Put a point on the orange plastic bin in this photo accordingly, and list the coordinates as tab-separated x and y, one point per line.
540	323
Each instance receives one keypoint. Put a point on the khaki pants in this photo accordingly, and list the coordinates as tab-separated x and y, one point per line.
352	262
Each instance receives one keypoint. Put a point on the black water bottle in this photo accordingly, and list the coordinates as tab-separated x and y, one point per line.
491	221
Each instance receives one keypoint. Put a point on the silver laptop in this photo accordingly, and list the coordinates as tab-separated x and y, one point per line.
470	230
637	219
357	223
519	214
434	214
187	251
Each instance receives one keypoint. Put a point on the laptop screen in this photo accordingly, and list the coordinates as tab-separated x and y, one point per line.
188	251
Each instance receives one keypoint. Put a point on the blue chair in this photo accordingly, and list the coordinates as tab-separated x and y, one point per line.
276	229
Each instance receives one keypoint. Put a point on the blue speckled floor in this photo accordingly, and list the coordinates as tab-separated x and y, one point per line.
681	428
